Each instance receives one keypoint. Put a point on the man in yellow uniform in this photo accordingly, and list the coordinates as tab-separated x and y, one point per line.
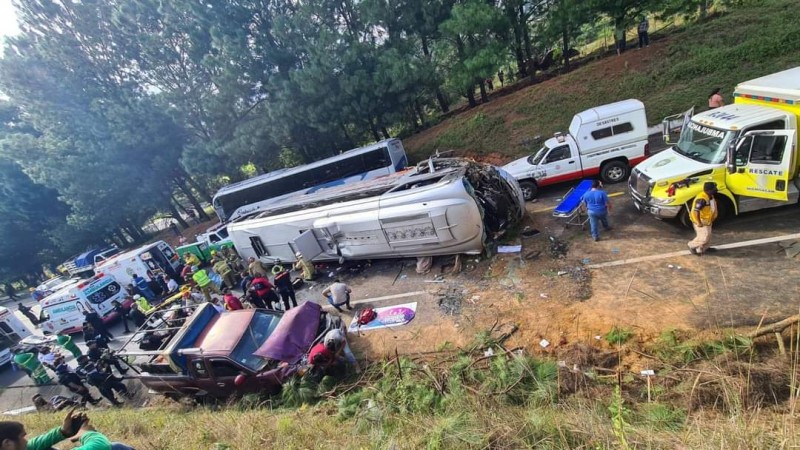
224	270
191	259
703	214
306	266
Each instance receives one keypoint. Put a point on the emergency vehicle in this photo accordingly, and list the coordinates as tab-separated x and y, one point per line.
749	148
607	141
151	260
12	331
62	311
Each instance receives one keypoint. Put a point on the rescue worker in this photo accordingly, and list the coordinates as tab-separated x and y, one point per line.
262	293
26	311
190	259
224	270
200	276
144	287
283	283
137	316
72	381
255	268
233	258
231	302
123	315
97	323
102	357
306	266
144	306
703	214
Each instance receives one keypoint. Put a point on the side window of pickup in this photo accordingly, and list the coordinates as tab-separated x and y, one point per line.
224	368
558	153
199	368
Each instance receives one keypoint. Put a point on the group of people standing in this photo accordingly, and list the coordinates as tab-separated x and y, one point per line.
702	214
642	31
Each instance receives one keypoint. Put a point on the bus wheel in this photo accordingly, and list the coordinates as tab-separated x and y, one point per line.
529	190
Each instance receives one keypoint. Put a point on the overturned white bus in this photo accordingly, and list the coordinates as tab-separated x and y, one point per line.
441	207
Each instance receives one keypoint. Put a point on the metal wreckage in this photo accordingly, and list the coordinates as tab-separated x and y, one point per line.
443	206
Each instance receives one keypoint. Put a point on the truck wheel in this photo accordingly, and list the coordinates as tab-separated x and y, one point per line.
683	218
614	172
529	190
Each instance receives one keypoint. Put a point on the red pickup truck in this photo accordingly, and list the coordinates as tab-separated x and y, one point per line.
213	354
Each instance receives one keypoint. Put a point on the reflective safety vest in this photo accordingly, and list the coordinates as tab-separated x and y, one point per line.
201	278
144	305
706	206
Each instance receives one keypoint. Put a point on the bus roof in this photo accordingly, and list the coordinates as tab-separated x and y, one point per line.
292	170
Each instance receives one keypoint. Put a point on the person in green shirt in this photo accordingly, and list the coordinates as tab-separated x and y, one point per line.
75	426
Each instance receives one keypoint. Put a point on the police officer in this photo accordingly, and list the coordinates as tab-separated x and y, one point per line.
703	214
72	381
104	381
102	357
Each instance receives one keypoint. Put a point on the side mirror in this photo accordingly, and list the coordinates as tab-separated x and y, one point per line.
731	157
240	379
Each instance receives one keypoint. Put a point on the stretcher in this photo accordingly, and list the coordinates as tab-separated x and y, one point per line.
571	208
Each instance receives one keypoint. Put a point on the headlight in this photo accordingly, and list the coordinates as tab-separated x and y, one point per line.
661	201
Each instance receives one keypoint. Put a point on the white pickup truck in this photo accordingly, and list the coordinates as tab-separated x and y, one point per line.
607	141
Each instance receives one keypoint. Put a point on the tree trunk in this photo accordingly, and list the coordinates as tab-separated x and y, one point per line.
179	204
199	189
374	130
385	132
141	234
471	97
443	104
348	140
177	216
565	47
189	195
526	34
482	87
419	112
518	52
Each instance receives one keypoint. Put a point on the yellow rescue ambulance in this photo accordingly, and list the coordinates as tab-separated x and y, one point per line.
749	148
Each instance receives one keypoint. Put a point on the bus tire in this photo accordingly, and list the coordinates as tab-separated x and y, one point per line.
529	190
614	171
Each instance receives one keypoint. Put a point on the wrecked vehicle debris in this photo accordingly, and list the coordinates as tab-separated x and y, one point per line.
442	207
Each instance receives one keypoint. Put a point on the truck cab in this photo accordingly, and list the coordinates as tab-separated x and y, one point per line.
607	141
217	355
747	148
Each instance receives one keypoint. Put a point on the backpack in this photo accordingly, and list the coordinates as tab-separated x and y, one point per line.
366	315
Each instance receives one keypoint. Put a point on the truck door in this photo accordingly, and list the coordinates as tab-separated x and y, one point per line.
202	376
560	164
225	372
760	165
672	126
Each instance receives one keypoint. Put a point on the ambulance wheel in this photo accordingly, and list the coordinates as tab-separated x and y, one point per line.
683	218
529	190
614	172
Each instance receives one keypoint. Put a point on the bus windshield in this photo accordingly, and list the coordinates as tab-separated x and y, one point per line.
704	144
362	164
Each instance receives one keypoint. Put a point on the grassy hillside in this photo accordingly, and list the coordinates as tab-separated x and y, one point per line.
674	73
728	393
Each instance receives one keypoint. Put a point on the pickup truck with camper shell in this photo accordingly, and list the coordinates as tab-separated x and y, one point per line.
605	141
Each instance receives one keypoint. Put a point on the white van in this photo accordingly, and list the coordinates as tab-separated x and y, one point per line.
62	311
607	141
150	260
12	330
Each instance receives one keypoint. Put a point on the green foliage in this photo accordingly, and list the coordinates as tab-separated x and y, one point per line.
662	417
618	336
619	418
299	391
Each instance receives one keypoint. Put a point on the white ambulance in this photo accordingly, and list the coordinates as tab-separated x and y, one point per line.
149	261
62	311
12	331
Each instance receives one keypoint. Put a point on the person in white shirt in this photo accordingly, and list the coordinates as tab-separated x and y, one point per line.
172	285
47	358
338	294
